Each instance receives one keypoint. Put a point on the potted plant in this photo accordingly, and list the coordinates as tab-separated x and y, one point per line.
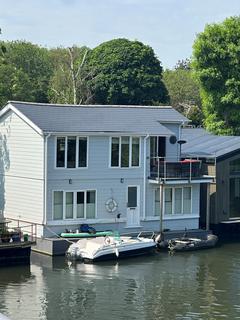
5	235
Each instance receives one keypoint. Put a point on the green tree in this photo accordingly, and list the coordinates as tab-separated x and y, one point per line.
69	80
126	72
216	53
24	72
184	91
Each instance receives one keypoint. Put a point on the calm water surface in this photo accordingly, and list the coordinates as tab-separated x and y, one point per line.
197	285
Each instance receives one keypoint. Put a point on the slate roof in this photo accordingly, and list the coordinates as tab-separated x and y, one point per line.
96	118
201	143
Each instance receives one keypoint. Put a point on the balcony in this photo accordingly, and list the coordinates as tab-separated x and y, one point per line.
185	169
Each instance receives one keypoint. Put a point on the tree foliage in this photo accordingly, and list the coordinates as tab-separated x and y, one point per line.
184	91
126	72
216	53
69	80
24	72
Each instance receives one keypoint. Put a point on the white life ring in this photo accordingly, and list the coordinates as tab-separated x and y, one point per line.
111	205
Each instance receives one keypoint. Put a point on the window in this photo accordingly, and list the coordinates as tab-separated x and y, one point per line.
71	152
235	167
80	204
90	206
60	152
177	200
168	201
115	152
125	152
82	152
157	203
58	205
69	205
187	200
74	205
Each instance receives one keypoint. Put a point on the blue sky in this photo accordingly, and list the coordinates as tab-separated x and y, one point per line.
168	26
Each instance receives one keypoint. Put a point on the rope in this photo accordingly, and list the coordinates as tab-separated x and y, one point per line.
59	236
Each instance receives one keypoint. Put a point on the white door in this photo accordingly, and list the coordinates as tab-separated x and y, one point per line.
133	209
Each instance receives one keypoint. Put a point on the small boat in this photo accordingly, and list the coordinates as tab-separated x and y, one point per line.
190	244
109	248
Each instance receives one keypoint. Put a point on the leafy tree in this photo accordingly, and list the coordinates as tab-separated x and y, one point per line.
126	72
184	91
216	53
24	72
69	80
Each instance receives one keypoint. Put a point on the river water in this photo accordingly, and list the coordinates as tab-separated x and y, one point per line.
190	285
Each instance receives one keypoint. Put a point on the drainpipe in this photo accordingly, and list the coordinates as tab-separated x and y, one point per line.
45	178
144	174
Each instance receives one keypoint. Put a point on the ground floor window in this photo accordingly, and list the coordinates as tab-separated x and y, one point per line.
176	200
74	204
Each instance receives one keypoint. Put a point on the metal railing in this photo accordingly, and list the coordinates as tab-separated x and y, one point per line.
167	169
26	230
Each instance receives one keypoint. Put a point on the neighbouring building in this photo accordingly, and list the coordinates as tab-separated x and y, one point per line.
113	167
220	156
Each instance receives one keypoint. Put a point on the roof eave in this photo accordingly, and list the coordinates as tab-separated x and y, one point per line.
9	106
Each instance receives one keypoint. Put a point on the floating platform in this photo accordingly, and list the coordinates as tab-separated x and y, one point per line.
15	253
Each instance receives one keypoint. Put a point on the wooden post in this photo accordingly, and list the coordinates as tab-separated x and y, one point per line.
161	206
208	207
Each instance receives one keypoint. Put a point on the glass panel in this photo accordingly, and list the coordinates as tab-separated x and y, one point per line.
71	152
187	199
125	152
69	205
157	202
178	200
235	166
91	204
132	197
115	152
80	204
82	152
168	201
60	156
234	197
58	205
135	152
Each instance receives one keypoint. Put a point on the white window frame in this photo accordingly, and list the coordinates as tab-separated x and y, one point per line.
65	155
74	205
173	202
120	152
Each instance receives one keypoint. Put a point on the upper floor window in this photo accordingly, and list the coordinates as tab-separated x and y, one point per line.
71	152
125	152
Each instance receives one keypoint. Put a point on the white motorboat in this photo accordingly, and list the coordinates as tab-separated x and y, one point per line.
107	248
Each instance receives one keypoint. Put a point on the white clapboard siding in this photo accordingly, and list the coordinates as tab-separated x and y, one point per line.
21	169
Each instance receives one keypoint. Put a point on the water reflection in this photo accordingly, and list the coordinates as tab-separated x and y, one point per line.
199	285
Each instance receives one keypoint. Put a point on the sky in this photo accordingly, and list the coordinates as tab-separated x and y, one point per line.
168	26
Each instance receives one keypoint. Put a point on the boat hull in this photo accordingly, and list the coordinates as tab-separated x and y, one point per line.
117	253
188	244
15	254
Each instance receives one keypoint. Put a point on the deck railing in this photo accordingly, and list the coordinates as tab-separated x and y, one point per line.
166	169
26	230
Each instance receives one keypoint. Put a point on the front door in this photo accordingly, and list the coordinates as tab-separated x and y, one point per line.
133	209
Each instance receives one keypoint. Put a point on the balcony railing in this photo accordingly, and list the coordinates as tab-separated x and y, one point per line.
187	168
